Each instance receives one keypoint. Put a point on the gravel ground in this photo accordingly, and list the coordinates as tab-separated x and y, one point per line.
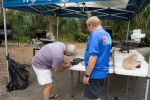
62	81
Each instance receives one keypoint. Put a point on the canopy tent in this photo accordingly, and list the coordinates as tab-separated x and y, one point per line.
123	10
105	9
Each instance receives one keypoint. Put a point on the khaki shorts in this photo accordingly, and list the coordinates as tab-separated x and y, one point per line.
43	76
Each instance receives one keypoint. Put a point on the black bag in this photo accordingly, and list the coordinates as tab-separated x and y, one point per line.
18	75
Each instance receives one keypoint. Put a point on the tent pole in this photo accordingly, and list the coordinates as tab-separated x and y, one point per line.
147	86
57	26
148	77
128	31
5	32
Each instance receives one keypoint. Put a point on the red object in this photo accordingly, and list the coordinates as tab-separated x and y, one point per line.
36	38
104	40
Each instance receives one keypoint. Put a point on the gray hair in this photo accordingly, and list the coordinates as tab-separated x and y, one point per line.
71	49
94	21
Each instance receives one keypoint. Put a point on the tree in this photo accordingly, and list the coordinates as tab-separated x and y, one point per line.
68	25
1	12
24	22
50	24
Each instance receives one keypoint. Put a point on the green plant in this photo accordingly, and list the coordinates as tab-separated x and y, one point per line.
65	38
116	36
22	37
80	37
147	57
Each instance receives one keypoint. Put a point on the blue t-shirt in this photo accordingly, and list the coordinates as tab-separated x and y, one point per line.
99	44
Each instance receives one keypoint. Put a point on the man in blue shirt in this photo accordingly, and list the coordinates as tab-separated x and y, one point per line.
96	58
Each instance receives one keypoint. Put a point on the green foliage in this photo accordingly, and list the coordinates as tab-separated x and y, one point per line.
65	38
25	38
142	20
80	37
24	22
68	25
22	37
147	57
119	27
119	35
115	36
83	25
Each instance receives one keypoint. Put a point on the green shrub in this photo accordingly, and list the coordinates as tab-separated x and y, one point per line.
117	36
23	38
147	56
80	37
65	38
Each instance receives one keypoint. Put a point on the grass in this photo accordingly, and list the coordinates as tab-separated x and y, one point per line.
66	38
147	57
69	39
23	38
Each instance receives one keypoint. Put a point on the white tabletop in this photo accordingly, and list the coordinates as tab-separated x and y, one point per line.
81	67
117	66
118	58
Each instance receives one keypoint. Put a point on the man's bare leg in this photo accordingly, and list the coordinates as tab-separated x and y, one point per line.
47	91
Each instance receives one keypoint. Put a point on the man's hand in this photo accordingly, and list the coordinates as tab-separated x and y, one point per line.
69	61
86	80
68	65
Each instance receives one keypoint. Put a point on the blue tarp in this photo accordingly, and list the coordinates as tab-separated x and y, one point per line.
123	10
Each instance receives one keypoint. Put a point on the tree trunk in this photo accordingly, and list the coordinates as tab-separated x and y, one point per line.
49	25
1	12
147	23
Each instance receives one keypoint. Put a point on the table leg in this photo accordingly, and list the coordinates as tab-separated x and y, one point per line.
34	50
136	84
147	87
127	87
72	83
78	76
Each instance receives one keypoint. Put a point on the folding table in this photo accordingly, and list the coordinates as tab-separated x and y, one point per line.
137	72
80	67
116	68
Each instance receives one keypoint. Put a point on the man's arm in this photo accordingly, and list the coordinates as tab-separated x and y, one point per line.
60	69
67	64
91	64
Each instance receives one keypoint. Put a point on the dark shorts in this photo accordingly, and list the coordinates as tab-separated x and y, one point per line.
93	89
